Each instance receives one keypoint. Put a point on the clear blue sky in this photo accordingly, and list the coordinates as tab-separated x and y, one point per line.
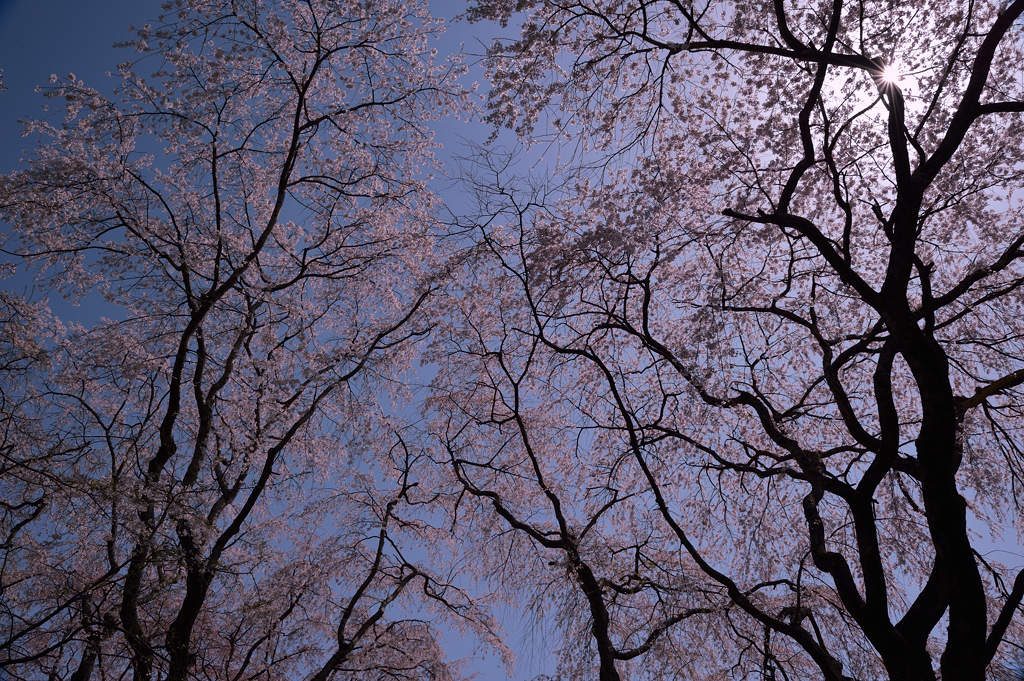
43	37
40	37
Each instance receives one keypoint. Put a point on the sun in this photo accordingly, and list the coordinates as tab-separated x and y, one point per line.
891	74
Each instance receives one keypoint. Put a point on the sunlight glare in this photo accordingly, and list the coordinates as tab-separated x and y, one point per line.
891	74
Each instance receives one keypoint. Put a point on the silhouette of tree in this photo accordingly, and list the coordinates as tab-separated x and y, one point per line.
748	358
207	485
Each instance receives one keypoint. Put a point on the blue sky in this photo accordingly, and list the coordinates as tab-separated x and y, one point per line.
43	37
40	37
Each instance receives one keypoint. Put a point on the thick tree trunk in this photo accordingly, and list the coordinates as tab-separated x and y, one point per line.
179	635
599	616
939	454
142	652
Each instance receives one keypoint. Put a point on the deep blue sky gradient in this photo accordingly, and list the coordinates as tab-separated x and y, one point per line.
43	37
40	37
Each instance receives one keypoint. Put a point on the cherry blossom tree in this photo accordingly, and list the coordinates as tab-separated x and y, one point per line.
213	483
754	339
